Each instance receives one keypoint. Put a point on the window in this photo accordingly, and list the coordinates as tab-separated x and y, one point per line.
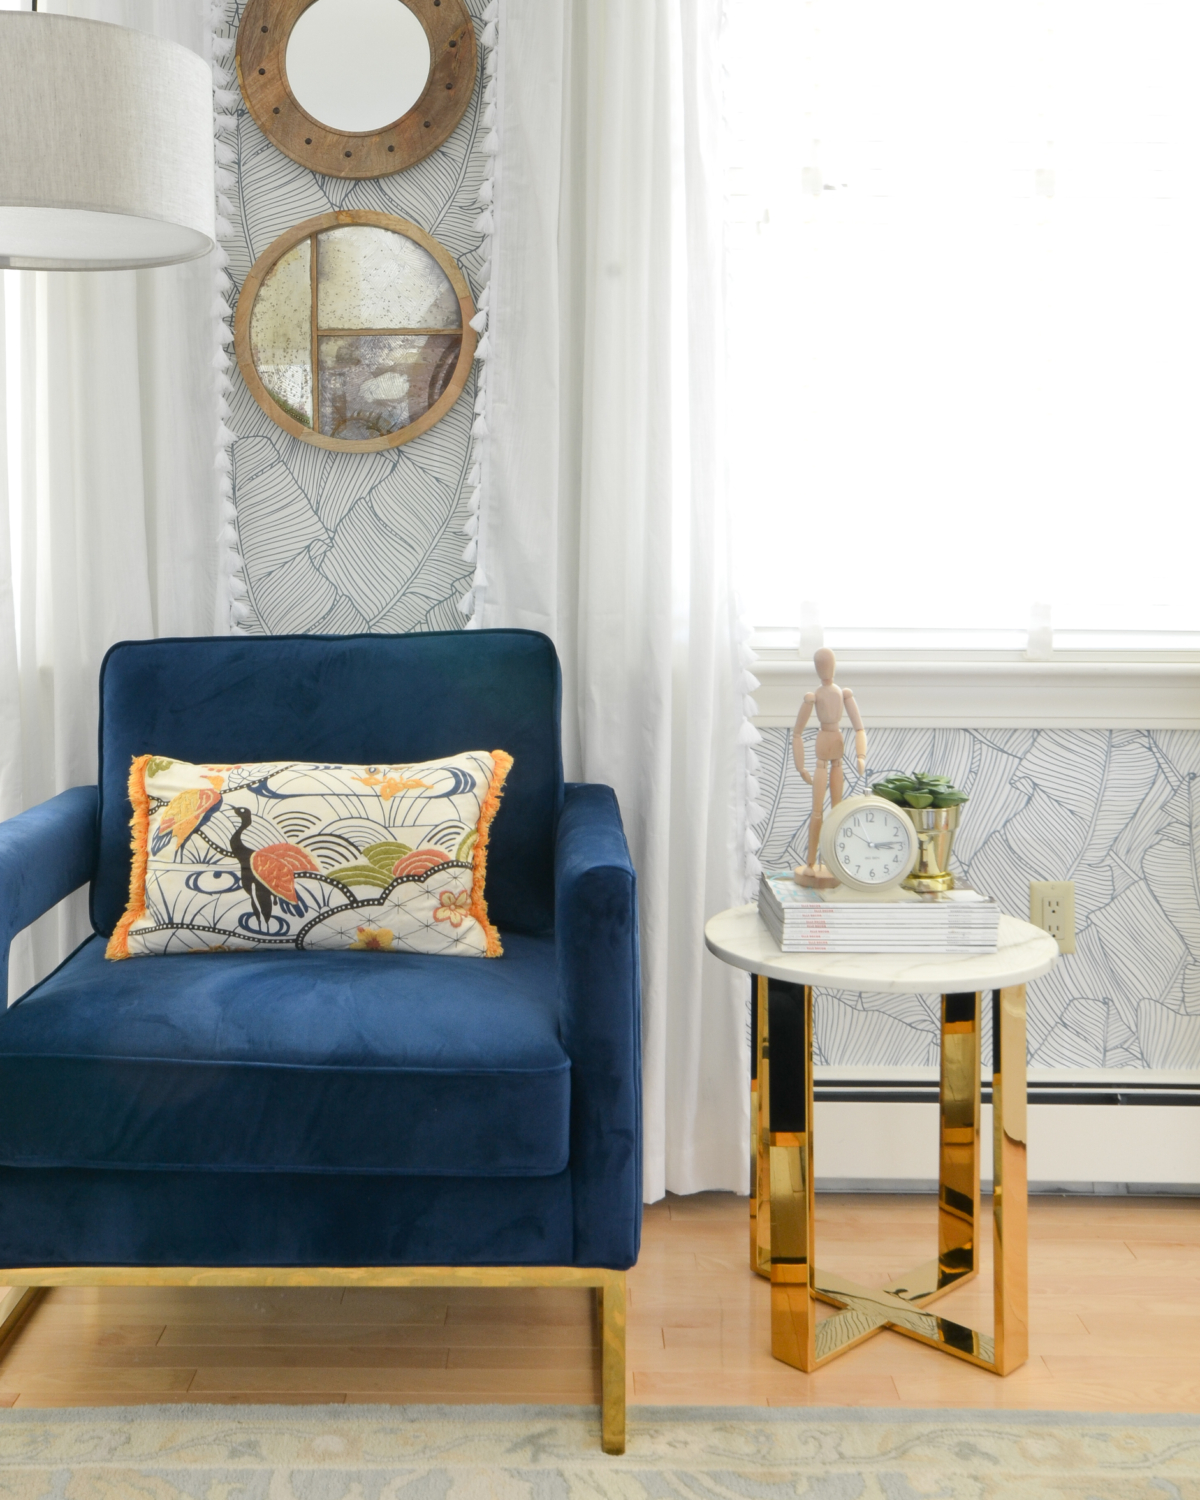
965	321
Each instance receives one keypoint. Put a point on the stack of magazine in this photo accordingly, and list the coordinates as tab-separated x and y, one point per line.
808	921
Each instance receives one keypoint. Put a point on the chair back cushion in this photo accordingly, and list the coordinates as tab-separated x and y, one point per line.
367	700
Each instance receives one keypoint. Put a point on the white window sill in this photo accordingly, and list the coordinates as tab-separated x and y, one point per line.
991	690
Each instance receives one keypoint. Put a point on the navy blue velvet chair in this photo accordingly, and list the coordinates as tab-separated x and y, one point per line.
332	1118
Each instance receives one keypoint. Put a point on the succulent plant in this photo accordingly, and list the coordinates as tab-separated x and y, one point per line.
920	790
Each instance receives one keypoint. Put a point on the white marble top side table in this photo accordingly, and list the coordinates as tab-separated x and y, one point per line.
782	1230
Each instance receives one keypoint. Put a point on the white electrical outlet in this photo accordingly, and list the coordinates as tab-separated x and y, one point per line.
1052	908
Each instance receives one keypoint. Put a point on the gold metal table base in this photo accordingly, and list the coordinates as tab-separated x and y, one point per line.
782	1227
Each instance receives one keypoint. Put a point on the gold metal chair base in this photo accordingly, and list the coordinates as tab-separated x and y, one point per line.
26	1284
782	1227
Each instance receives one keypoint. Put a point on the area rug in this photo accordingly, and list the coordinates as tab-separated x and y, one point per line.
552	1453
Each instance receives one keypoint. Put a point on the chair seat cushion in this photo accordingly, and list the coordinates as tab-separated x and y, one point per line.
326	1062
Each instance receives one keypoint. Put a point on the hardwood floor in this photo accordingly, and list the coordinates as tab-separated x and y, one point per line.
1115	1326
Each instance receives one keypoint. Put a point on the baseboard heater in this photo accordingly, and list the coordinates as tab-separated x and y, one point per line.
925	1091
1111	1136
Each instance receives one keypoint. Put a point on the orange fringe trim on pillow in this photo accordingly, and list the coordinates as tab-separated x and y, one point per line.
491	806
139	824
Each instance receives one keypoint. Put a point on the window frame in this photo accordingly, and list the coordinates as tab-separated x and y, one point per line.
979	689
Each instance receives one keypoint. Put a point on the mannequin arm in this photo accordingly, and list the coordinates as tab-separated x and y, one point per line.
802	719
860	732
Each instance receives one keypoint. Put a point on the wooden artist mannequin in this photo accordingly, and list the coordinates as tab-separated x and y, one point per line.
830	702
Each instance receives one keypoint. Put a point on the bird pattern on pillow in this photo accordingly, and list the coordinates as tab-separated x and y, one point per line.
301	855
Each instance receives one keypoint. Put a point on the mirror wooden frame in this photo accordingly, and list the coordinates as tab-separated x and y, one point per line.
265	264
262	76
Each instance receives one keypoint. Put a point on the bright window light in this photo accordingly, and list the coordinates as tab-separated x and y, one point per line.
965	315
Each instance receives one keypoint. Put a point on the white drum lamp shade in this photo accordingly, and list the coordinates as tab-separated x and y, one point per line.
106	147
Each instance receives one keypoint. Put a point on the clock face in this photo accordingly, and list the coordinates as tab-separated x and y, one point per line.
872	846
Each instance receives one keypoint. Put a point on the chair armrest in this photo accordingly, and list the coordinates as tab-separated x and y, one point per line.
596	933
45	854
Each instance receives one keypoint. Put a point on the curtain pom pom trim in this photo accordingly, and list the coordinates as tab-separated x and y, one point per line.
234	605
475	489
751	814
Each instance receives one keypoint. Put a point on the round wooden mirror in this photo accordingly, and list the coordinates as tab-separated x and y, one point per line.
353	331
356	88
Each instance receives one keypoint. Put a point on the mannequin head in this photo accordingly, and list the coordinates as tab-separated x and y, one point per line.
825	664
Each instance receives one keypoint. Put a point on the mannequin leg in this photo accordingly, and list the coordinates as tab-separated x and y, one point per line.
820	781
835	783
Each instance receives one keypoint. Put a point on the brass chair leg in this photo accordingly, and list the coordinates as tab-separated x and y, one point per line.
15	1304
612	1362
609	1287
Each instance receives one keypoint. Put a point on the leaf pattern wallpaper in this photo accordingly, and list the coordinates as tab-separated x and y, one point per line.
346	542
339	542
1116	811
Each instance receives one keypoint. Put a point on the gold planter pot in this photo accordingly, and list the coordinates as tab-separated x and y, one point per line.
936	827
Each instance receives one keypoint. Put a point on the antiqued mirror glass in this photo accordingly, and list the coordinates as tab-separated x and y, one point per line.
374	384
355	333
281	333
373	278
357	65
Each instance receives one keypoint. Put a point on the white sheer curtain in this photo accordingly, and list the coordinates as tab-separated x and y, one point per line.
108	508
605	523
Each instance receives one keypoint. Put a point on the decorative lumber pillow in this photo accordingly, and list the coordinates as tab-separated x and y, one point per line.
291	854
